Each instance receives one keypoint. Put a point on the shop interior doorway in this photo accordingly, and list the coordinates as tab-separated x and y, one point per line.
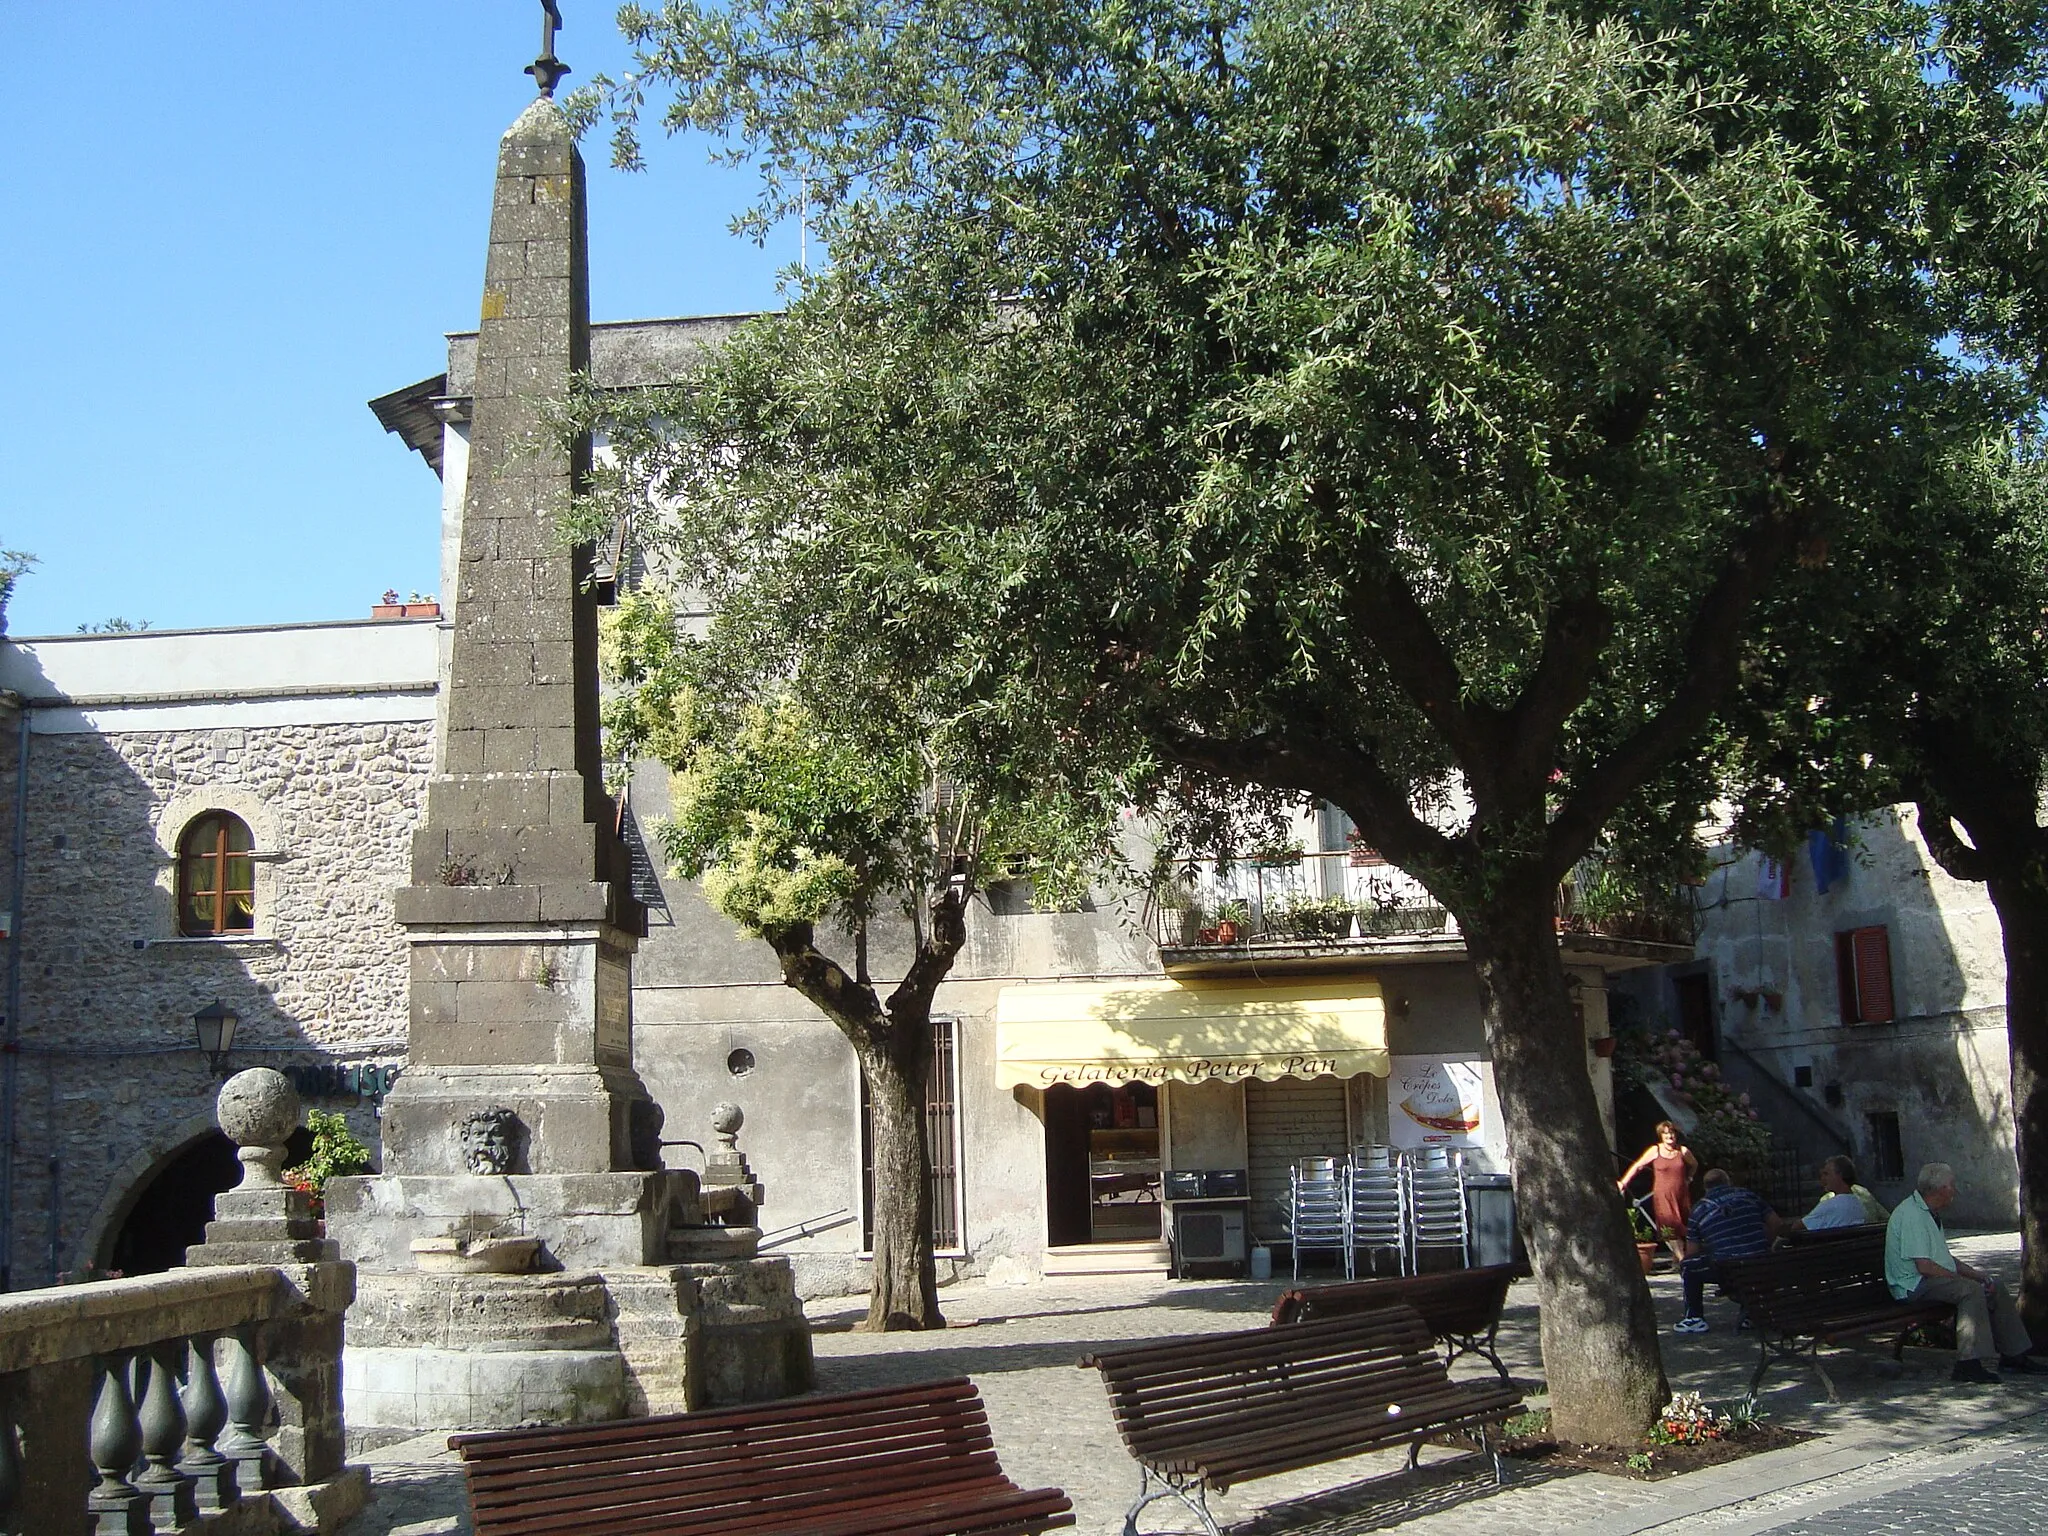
1102	1165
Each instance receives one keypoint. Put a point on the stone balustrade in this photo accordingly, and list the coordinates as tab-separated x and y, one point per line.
192	1400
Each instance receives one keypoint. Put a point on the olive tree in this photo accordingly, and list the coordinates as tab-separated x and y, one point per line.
1405	404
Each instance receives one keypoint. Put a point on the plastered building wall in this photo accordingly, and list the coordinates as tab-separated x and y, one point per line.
1940	1068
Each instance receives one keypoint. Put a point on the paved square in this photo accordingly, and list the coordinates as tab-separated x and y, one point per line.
1904	1451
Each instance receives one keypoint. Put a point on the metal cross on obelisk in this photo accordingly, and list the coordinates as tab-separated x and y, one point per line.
548	70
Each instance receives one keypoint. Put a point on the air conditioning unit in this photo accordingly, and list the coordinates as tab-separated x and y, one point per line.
1209	1236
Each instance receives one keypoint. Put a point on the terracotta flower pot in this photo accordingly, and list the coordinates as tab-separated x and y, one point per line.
1646	1254
1603	1047
1226	932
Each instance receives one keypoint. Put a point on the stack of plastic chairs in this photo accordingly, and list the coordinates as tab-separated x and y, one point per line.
1379	1213
1435	1185
1317	1211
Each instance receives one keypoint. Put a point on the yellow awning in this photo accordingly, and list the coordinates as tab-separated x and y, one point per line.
1155	1030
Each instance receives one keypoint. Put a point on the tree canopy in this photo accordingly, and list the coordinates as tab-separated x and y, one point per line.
1406	404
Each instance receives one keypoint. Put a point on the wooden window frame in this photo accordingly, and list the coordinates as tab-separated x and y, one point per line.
1865	984
215	861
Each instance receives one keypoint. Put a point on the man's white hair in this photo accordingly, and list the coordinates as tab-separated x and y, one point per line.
1933	1177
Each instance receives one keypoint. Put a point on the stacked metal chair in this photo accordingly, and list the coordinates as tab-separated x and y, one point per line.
1434	1183
1379	1206
1318	1210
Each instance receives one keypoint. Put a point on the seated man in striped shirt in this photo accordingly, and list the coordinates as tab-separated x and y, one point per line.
1729	1222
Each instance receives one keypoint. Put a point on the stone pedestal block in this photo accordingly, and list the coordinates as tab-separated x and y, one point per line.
569	1120
584	1221
493	1351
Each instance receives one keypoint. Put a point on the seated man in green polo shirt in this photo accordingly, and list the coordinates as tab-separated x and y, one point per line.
1919	1267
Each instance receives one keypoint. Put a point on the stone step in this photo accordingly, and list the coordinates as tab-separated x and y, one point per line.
1140	1258
713	1245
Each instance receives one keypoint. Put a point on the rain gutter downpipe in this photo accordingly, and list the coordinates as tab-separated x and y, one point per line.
10	1046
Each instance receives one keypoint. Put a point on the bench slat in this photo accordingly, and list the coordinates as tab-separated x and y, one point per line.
1367	1412
869	1435
1151	1416
890	1509
707	1488
905	1461
489	1445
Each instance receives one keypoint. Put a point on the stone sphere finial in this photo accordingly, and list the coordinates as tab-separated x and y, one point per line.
258	1110
726	1120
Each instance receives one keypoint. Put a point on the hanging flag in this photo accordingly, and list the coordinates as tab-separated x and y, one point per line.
1773	880
1828	848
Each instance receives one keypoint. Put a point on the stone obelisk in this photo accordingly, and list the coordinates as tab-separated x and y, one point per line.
521	915
519	1258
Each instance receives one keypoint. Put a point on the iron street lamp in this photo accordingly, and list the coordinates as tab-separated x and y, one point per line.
216	1025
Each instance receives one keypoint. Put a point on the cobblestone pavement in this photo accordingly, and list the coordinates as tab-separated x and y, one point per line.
2008	1494
1901	1441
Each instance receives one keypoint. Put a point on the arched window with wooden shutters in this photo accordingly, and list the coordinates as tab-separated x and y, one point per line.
216	877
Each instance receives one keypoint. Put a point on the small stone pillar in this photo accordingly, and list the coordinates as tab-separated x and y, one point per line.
263	1220
726	1168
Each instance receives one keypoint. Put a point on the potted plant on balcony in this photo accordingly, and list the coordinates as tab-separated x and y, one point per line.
1233	920
1180	915
1319	919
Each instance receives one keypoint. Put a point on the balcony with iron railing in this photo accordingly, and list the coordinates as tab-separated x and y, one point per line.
1292	899
1298	904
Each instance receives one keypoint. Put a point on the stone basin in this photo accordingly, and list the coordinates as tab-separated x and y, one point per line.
479	1256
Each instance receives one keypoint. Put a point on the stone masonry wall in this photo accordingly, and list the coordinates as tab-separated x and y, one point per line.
112	1083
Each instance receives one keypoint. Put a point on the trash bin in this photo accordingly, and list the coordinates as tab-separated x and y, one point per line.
1490	1208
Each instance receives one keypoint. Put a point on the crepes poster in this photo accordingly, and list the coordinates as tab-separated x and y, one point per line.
1432	1103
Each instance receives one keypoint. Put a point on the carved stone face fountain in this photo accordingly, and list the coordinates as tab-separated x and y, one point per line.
480	1246
490	1140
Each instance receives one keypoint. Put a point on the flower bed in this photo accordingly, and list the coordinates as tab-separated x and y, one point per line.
1688	1435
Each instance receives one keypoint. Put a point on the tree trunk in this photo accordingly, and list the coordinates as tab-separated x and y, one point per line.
1599	1333
904	1291
894	1044
2023	922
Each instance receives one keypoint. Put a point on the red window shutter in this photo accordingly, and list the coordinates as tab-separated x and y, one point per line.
1845	977
1873	975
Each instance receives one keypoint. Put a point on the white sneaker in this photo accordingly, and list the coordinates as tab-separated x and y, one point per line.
1690	1325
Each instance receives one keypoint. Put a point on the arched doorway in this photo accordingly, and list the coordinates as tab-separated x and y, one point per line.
171	1211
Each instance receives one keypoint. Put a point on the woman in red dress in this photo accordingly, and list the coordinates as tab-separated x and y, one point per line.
1671	1174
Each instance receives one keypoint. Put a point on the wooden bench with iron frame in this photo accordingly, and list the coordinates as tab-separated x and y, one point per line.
894	1461
1210	1411
1799	1298
1461	1306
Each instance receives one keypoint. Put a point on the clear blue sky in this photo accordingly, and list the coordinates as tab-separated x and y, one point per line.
229	225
